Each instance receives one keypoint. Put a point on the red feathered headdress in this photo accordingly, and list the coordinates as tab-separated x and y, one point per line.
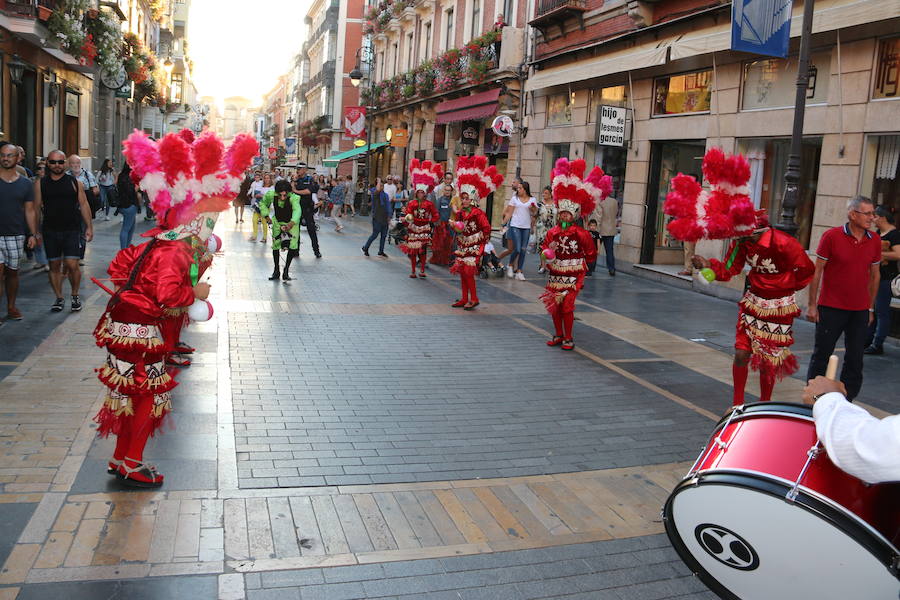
724	211
476	178
425	175
574	192
185	176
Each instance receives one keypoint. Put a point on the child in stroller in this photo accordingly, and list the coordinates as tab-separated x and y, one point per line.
490	263
397	231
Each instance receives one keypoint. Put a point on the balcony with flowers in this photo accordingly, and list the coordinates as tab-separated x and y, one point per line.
469	65
381	14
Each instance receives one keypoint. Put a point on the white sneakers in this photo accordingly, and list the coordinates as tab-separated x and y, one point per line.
509	272
520	276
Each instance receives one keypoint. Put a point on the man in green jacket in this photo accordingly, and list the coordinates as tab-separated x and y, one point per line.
281	208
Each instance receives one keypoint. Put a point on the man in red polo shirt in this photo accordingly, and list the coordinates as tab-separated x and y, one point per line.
847	267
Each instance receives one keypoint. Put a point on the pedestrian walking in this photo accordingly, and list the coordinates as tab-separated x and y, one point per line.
567	246
338	194
61	200
890	254
262	185
305	186
380	205
442	239
609	219
17	218
842	293
390	188
242	199
106	179
282	209
520	211
476	181
544	222
128	204
88	181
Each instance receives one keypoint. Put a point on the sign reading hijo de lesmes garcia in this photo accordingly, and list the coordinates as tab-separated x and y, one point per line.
612	126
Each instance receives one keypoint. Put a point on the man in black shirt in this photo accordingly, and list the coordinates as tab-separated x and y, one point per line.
16	219
60	198
306	187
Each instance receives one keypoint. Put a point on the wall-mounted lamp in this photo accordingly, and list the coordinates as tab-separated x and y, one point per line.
16	70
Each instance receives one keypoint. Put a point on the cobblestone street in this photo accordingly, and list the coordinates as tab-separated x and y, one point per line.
350	435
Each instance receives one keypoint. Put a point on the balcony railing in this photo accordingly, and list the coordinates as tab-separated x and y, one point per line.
323	77
556	12
29	8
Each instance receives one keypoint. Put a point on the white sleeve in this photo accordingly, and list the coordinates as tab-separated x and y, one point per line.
857	442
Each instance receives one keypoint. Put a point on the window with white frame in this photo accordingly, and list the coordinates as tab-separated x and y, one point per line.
396	48
449	35
476	19
410	52
427	54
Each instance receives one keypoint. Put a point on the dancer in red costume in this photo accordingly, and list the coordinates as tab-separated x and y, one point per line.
188	186
475	181
567	247
420	213
779	267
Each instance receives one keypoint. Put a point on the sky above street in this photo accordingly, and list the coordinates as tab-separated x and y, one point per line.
240	48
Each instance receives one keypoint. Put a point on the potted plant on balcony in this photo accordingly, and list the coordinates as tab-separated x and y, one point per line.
424	78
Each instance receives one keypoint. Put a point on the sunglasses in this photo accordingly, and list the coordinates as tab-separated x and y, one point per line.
56	162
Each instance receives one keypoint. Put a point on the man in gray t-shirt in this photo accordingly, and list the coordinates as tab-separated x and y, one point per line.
17	218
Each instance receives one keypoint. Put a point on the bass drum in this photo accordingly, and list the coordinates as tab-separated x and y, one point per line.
764	515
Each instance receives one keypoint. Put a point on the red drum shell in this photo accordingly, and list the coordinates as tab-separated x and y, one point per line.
772	439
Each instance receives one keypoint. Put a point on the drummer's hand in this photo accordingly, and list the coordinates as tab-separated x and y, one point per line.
821	385
812	313
201	290
699	262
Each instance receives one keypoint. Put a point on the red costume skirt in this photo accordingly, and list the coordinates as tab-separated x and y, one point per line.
418	238
765	329
441	243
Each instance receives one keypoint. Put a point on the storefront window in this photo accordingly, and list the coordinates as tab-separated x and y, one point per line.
887	69
768	163
552	152
881	175
688	93
612	159
559	109
608	96
772	82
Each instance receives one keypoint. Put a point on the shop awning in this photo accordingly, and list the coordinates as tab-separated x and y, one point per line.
468	108
334	159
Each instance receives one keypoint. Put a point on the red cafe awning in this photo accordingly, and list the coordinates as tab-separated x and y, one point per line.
468	108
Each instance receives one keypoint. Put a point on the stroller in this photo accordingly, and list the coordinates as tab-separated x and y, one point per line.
397	232
490	268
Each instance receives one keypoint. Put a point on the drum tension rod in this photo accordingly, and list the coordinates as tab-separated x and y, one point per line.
811	455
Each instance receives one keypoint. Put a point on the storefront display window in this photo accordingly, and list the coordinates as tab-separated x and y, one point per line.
559	109
608	96
881	170
772	82
678	94
552	152
768	163
887	69
612	159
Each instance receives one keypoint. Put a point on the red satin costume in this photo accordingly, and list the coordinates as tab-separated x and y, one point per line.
418	236
779	267
469	250
574	249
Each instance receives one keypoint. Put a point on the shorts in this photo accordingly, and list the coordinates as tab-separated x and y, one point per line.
11	249
63	244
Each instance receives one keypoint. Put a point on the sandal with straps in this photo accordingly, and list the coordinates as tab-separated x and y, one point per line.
141	475
568	345
182	348
112	467
556	341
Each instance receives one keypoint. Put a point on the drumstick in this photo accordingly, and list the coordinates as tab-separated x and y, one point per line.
831	369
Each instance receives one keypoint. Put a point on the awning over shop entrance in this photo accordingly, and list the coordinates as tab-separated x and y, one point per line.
468	108
334	159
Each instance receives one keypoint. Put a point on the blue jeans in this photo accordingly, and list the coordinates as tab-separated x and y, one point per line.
377	229
608	250
519	237
879	330
104	198
127	231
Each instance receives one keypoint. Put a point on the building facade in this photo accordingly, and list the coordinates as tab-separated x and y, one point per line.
442	71
666	65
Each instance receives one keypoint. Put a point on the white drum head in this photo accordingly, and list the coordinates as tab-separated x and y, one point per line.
759	546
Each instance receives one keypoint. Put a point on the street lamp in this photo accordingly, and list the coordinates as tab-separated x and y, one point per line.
16	70
364	56
791	196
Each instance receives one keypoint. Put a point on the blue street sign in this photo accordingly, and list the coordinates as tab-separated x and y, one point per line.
761	26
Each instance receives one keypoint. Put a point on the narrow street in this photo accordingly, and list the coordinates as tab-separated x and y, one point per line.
349	434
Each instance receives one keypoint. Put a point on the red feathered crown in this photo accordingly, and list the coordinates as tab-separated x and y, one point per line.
425	175
475	177
574	192
184	176
723	211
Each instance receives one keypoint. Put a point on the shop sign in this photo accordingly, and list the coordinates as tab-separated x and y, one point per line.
355	122
273	151
290	146
503	126
72	103
468	133
761	27
495	143
611	125
399	138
